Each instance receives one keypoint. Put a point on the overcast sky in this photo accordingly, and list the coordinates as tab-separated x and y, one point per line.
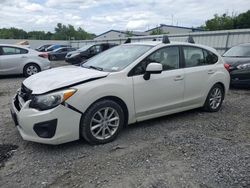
98	16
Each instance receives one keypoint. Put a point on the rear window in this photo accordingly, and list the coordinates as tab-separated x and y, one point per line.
238	51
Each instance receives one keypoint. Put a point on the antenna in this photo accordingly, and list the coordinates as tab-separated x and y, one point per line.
190	40
165	39
127	41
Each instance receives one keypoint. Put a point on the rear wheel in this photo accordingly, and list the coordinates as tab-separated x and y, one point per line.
31	69
102	122
214	99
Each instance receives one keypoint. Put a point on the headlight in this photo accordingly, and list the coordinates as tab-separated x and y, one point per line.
244	66
51	100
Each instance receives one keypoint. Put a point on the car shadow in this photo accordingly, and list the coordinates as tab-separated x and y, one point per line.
11	76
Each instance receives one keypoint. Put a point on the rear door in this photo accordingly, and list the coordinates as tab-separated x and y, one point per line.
11	59
199	68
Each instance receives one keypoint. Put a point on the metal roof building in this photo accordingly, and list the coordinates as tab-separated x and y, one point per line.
171	29
112	34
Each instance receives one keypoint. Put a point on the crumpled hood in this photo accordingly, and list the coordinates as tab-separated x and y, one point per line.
60	77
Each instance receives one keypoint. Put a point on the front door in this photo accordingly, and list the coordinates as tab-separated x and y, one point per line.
162	93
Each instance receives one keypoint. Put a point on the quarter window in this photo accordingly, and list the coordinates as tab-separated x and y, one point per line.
13	51
210	58
168	57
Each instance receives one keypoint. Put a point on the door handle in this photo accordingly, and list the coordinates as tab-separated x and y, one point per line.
23	56
179	77
211	72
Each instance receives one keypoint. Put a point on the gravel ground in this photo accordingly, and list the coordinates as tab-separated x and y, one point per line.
189	149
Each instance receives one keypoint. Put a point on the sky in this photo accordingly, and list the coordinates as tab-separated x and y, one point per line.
98	16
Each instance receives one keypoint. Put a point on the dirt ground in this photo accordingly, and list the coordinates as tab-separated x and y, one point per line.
189	149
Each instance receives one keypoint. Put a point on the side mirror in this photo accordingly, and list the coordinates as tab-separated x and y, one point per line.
152	68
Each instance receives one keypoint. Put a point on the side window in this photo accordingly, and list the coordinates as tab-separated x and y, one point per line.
98	48
65	50
210	58
12	50
168	57
193	56
95	49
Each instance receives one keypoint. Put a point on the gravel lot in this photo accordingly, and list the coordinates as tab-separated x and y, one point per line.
189	149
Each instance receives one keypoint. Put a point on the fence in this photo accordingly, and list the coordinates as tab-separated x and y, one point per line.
33	43
220	40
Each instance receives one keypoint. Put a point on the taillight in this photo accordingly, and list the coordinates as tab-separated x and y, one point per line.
43	55
227	66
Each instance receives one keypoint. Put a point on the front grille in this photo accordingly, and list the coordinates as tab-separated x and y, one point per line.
25	93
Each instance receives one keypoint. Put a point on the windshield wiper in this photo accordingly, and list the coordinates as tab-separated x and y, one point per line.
96	68
93	67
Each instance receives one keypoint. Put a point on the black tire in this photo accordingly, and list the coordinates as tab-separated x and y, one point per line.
27	67
214	107
87	120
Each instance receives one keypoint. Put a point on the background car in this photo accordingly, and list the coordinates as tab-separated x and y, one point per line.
55	46
238	60
43	47
86	52
19	60
60	53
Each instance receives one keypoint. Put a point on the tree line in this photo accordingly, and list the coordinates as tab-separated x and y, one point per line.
226	21
62	32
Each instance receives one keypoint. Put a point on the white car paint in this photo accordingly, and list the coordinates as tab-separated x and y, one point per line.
166	93
15	63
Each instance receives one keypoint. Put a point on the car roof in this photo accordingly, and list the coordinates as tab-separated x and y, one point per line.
159	43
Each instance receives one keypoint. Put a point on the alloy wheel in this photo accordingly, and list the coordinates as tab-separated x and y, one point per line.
31	70
215	98
104	123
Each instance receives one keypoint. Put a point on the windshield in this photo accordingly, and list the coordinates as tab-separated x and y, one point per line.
238	51
117	58
83	48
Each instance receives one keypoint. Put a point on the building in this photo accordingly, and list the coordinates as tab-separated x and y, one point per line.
115	34
170	29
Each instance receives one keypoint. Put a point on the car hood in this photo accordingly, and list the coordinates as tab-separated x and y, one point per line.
234	61
61	77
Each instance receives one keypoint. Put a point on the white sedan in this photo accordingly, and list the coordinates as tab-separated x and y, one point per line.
126	84
15	59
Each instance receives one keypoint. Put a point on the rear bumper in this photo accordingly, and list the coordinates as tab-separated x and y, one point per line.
26	119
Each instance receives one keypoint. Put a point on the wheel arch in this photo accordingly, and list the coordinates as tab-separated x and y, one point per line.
118	101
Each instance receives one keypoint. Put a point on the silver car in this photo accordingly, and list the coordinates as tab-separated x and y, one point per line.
16	59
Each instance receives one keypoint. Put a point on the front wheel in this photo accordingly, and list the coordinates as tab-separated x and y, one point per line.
214	99
102	122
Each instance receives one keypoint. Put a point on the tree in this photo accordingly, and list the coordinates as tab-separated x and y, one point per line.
220	23
225	21
243	20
